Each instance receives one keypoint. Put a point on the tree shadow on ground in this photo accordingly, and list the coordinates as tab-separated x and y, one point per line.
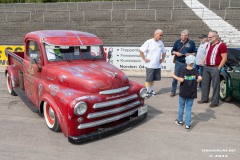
202	117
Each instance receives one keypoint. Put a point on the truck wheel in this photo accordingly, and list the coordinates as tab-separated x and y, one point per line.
9	85
50	117
224	90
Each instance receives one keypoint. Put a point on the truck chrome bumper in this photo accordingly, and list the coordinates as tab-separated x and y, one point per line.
107	120
107	131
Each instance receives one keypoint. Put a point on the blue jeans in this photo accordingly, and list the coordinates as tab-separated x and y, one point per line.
177	69
200	70
182	103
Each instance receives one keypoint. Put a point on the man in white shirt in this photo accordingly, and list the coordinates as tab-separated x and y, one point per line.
201	53
153	54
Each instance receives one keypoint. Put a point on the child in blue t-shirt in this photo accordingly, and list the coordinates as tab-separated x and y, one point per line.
189	78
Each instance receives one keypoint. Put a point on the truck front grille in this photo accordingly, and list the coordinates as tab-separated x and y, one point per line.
111	111
114	91
107	120
114	102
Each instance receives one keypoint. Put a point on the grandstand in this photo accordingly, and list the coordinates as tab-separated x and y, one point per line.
115	22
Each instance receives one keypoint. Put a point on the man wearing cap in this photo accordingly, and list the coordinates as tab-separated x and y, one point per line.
201	53
216	57
181	48
188	78
153	54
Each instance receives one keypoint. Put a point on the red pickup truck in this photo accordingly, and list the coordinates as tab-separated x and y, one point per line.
64	75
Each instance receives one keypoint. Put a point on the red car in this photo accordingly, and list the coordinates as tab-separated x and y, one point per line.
64	75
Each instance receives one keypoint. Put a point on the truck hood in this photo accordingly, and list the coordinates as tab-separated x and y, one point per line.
88	76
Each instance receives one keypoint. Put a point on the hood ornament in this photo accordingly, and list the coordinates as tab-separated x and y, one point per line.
114	74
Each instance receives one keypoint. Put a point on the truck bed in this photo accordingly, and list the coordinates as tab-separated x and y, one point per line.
15	55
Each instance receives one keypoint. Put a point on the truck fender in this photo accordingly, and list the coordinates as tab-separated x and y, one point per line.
226	75
14	76
60	117
226	93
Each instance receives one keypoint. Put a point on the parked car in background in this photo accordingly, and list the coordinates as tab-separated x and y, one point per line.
230	76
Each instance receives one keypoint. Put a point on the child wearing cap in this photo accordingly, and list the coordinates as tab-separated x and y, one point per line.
189	78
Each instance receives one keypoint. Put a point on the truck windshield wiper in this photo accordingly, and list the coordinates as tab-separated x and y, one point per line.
60	56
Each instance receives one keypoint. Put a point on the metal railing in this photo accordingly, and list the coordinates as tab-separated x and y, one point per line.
221	4
8	13
68	14
34	7
232	8
64	9
105	15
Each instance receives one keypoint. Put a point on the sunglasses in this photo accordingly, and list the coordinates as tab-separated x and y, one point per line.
211	37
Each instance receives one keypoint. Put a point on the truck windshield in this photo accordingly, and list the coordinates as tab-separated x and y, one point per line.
68	53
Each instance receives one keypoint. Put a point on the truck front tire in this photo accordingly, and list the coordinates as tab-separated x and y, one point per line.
9	85
224	89
50	117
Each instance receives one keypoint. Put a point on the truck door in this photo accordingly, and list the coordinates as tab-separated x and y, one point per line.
31	71
236	82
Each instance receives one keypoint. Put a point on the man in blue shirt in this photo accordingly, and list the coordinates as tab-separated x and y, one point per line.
181	48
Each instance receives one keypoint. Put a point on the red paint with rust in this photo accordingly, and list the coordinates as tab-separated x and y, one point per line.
64	83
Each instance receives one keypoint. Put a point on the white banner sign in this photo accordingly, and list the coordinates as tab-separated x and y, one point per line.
128	58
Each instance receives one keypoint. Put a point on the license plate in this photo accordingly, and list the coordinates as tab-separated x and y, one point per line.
142	110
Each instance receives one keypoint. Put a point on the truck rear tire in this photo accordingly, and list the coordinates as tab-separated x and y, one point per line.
50	117
9	85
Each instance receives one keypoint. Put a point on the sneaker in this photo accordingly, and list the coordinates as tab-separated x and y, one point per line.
172	94
178	123
153	93
188	128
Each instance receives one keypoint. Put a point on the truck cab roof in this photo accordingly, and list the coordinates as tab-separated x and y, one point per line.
64	37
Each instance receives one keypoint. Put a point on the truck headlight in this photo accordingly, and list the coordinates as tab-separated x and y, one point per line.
80	108
143	93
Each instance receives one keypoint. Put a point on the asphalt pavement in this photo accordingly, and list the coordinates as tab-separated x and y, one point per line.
215	133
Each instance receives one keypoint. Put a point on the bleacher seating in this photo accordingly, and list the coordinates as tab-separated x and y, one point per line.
116	23
226	9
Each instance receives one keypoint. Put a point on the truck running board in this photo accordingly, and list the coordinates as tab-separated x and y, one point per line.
25	99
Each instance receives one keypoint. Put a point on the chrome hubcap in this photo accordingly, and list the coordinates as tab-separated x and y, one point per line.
51	113
223	88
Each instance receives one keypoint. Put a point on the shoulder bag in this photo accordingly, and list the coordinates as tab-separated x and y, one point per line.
175	57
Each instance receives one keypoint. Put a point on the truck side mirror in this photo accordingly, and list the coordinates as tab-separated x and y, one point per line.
34	60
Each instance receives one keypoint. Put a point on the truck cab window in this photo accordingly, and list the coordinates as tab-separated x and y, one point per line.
91	52
62	53
33	48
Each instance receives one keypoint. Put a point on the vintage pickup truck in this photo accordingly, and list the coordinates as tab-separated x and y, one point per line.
64	76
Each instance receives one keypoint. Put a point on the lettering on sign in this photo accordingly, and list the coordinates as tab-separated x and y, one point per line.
125	58
128	58
3	53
